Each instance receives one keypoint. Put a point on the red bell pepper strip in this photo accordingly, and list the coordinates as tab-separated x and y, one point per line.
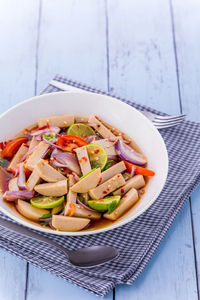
138	170
70	142
71	210
11	148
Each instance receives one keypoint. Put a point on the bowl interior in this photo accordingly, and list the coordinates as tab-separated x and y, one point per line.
112	111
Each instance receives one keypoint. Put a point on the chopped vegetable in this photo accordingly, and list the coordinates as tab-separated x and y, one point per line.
14	195
47	202
81	130
97	154
71	210
67	160
95	165
108	165
138	170
49	137
84	206
127	153
11	148
70	142
22	178
105	204
4	163
87	174
45	216
15	170
45	129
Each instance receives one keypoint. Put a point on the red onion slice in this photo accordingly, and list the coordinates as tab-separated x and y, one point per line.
21	181
128	154
76	177
14	195
54	163
50	225
38	137
51	143
112	157
67	160
83	205
48	130
45	220
90	139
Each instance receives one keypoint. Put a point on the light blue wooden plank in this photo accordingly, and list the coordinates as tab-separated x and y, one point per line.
73	41
141	53
142	67
18	32
66	47
13	276
43	285
195	200
187	34
168	275
18	29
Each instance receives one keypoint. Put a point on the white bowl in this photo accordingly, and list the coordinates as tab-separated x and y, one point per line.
112	111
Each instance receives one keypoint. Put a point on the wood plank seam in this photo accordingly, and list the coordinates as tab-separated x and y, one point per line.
37	45
108	63
181	111
35	92
26	286
194	247
175	54
107	45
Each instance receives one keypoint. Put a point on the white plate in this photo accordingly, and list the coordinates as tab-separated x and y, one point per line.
112	111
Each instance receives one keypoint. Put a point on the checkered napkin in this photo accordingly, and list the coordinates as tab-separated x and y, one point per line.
137	240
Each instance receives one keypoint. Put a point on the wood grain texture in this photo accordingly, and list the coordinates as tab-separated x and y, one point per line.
168	275
43	285
12	276
195	205
141	55
18	32
135	71
187	36
72	42
134	39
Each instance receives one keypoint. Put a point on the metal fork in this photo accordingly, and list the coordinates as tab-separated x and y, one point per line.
160	122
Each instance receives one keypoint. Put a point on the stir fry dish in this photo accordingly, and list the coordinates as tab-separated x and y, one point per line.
67	172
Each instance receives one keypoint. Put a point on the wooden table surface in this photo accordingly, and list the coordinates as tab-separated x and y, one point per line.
146	50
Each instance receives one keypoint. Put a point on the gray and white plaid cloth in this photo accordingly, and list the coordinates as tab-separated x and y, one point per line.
137	240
